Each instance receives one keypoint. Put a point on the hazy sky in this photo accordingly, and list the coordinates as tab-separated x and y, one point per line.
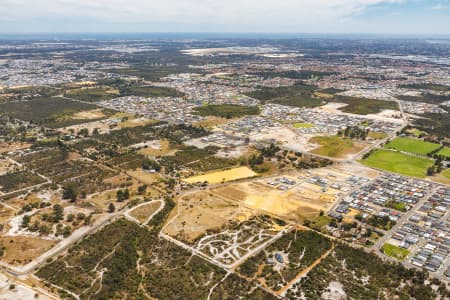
294	16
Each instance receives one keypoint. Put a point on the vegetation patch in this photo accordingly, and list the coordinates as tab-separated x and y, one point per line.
93	94
124	260
426	86
150	91
227	110
363	275
363	106
150	72
19	180
300	74
435	124
285	259
50	112
296	96
197	159
426	98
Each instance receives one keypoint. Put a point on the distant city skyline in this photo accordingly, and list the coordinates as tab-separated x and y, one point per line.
411	17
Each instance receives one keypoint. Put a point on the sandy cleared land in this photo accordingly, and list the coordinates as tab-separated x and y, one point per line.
102	126
13	146
20	250
21	291
6	213
444	177
6	166
357	169
143	212
385	115
201	211
135	122
301	201
332	107
337	147
223	176
160	149
213	121
145	177
89	114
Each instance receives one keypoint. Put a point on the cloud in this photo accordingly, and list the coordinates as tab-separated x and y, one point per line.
440	6
236	12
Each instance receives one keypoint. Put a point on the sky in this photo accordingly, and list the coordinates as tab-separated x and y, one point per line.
412	17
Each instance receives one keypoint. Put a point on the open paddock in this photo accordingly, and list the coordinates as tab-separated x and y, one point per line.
20	250
13	146
223	176
143	212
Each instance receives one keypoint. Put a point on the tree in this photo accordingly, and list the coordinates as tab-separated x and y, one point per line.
70	217
111	208
123	195
67	231
70	193
142	189
58	213
44	229
83	132
25	221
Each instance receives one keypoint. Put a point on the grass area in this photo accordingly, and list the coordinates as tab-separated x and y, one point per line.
50	112
227	110
303	125
377	135
394	251
296	96
320	222
412	145
416	132
444	151
333	146
446	173
400	206
399	163
363	106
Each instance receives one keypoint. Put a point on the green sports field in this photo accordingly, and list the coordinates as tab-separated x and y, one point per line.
412	146
444	151
399	163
